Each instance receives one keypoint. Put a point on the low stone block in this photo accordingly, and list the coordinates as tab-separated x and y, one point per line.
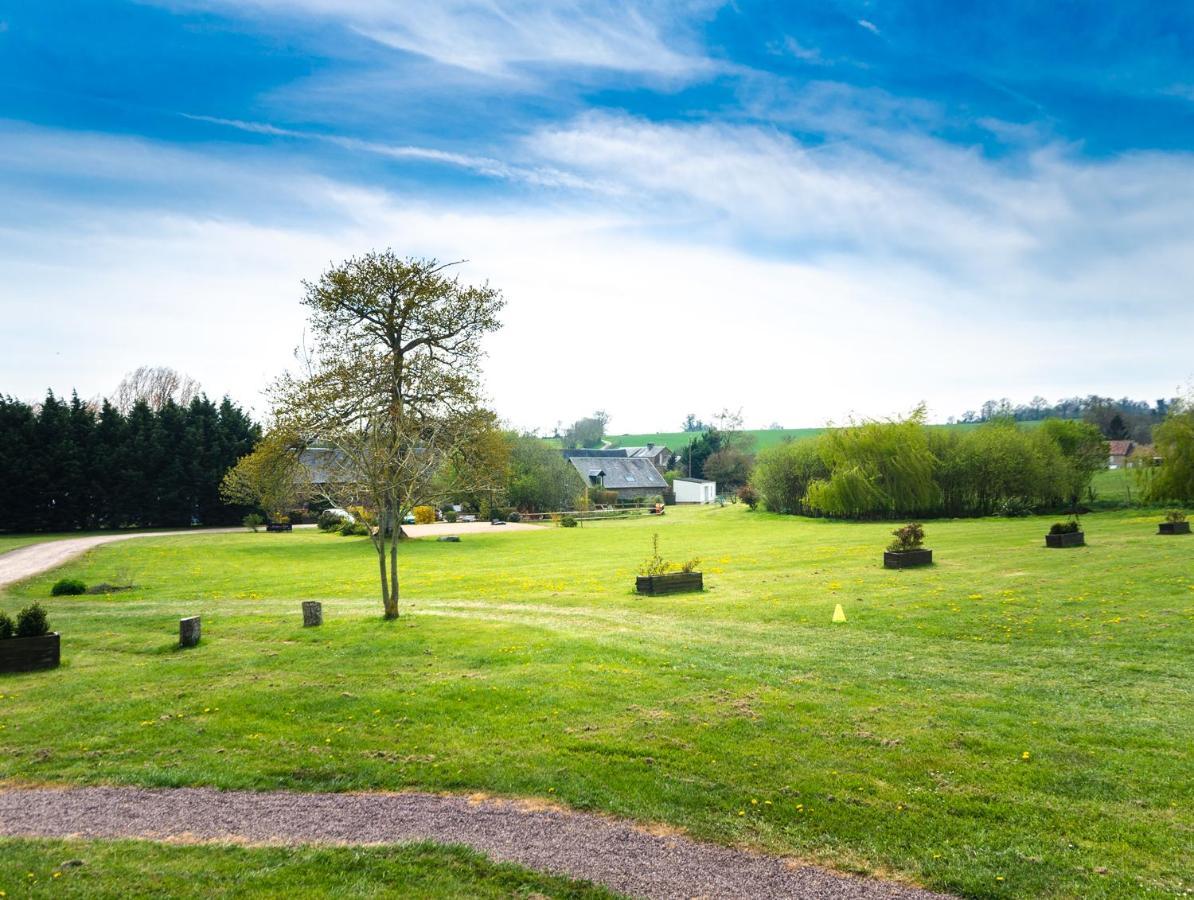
448	539
188	631
312	613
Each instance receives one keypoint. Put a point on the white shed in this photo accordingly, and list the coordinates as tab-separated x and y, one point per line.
694	490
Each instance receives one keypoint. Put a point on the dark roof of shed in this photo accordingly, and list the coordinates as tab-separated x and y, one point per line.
620	472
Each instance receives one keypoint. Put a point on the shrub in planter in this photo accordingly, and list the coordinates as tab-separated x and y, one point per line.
253	521
67	587
568	521
907	550
1175	523
32	622
657	576
29	645
1065	534
424	515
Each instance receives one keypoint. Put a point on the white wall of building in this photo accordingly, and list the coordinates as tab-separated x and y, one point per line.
694	491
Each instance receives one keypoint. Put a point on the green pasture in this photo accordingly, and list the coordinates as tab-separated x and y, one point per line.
1012	722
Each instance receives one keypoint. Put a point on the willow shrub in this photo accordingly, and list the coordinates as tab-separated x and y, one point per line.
903	468
1173	479
783	473
876	468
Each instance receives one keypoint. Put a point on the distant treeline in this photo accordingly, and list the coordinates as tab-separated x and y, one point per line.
1123	419
68	465
905	469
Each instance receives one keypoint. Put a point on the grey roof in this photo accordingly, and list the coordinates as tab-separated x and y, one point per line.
620	472
325	465
655	450
697	480
604	453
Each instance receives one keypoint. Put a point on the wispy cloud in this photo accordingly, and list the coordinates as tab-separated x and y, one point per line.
869	26
506	37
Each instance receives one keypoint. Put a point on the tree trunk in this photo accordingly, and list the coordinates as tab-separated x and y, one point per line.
389	585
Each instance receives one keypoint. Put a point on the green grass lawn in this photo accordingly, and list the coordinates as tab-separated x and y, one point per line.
1013	721
142	869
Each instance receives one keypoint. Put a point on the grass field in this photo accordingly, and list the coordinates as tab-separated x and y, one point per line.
1013	721
141	869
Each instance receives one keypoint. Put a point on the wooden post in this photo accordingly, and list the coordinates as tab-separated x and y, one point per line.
312	613
188	631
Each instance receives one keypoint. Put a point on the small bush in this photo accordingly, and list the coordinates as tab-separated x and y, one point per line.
68	587
451	515
32	621
1070	527
6	626
297	516
909	537
424	515
354	529
749	496
253	521
1015	507
514	516
329	521
1175	516
568	521
281	519
691	565
654	564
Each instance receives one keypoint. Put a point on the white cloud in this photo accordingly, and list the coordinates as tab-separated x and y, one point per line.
869	26
498	37
737	266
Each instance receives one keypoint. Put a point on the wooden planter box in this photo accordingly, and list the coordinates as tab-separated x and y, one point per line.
671	583
1070	539
28	654
906	559
1174	528
273	526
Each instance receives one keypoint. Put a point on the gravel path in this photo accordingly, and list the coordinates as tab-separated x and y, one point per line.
33	559
614	853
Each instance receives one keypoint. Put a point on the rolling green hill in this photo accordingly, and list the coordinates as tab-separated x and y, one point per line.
763	437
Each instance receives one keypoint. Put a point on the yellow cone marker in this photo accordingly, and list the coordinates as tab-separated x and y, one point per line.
839	614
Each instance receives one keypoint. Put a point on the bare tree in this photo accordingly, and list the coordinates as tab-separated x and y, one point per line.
389	393
155	385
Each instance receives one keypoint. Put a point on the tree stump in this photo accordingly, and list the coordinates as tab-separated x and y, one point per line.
312	613
188	631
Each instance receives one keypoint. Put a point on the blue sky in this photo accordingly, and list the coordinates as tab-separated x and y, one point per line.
806	210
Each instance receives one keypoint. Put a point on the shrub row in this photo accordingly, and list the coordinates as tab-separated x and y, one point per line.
31	622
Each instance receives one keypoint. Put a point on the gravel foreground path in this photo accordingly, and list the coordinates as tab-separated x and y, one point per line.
614	853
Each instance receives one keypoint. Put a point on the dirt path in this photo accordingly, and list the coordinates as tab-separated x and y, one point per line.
614	853
33	559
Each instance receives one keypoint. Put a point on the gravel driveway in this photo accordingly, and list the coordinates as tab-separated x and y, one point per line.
614	853
25	562
33	559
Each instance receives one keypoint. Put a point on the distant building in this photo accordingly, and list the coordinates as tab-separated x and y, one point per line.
628	478
1119	451
658	455
694	490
